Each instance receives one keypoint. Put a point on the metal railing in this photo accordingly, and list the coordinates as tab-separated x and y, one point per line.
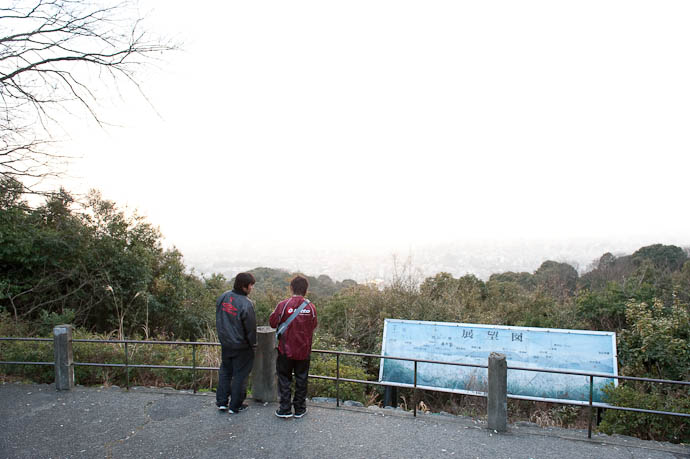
194	368
27	339
128	365
591	376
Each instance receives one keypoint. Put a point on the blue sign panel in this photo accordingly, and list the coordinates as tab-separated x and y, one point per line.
544	348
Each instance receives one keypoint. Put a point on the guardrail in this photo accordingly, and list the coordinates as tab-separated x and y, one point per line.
128	365
591	376
337	379
125	365
27	339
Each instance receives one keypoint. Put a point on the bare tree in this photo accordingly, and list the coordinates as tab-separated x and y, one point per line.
54	57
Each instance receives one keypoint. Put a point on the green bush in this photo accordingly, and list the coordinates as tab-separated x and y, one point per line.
648	426
25	351
48	320
656	344
28	351
323	364
144	354
326	366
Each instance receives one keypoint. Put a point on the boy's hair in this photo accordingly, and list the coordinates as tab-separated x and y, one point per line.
299	285
243	280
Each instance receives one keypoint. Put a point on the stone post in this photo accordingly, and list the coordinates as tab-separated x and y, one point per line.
497	405
264	377
64	363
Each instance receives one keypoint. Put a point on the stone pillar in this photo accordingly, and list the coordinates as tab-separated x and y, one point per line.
64	363
264	377
498	392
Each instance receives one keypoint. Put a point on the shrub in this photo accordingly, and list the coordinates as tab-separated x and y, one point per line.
657	342
48	320
656	345
28	351
648	426
326	366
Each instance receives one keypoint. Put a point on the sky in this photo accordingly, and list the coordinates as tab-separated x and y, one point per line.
376	124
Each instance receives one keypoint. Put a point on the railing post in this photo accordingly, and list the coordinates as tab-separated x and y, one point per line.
497	404
390	396
591	390
194	368
264	376
64	360
337	380
127	364
414	393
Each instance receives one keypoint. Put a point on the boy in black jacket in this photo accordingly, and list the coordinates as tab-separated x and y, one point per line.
236	326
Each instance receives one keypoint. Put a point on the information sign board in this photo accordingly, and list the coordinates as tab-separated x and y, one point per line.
528	347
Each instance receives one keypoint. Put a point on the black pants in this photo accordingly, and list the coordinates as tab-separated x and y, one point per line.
285	368
233	376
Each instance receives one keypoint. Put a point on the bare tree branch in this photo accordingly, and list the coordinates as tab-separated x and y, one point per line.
47	50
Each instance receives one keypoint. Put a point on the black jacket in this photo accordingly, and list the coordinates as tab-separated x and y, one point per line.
235	321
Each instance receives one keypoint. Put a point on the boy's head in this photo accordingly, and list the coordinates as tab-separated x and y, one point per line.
299	285
244	282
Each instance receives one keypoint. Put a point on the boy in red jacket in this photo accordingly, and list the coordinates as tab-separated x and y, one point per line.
294	348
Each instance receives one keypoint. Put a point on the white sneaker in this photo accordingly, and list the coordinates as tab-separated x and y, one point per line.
222	408
243	407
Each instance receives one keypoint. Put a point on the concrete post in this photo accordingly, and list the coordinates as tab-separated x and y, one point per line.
264	377
498	392
64	363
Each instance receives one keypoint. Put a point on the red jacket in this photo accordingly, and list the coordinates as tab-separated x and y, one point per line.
296	341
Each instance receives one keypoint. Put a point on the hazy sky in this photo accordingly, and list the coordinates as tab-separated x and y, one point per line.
382	123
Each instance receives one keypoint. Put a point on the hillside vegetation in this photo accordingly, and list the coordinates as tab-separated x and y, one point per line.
89	263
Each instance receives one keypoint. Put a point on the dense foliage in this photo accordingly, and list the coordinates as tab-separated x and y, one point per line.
106	271
93	263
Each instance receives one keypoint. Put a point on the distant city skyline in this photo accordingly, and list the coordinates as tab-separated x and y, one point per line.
368	265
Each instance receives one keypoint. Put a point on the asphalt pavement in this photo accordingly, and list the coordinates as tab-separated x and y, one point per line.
36	421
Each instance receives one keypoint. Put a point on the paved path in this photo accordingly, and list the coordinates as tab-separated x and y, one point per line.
38	422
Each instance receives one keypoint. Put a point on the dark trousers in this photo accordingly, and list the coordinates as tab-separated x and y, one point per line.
232	377
285	368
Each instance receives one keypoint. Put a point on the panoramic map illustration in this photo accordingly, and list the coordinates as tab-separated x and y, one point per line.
543	348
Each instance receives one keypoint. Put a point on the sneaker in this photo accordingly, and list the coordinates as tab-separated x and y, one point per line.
299	414
243	407
222	408
283	414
